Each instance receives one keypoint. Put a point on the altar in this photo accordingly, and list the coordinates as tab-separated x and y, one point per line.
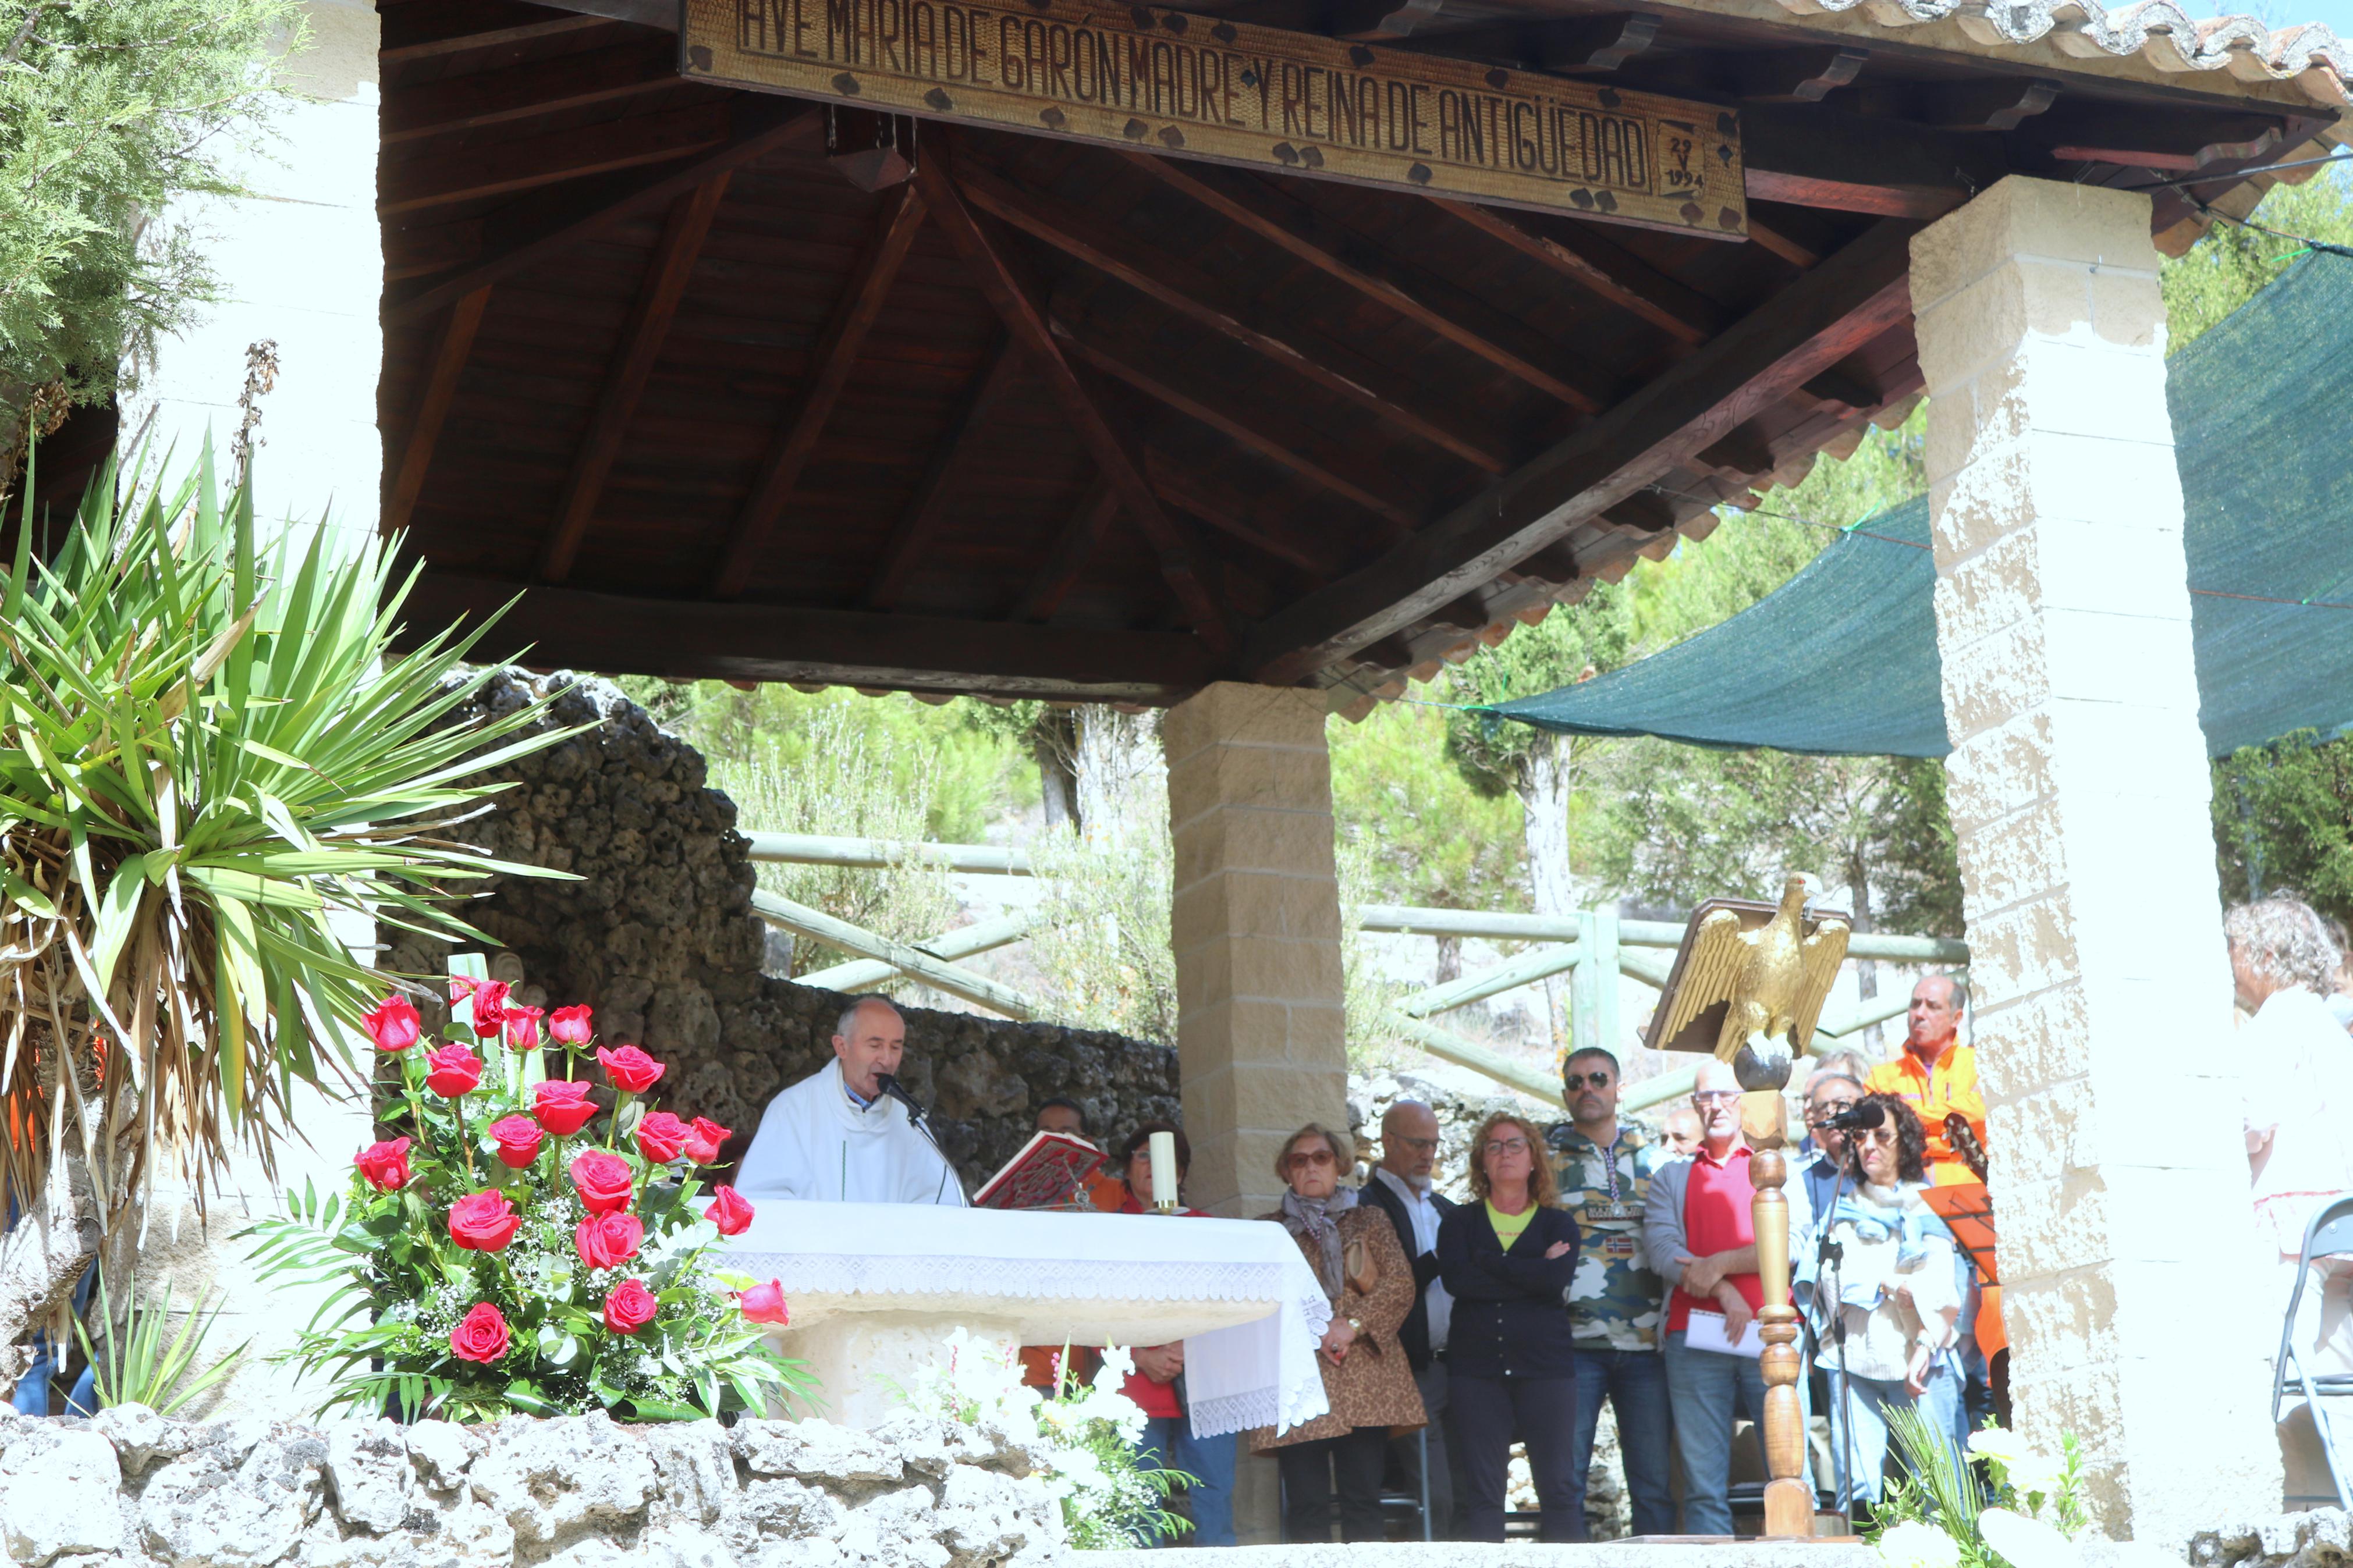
874	1289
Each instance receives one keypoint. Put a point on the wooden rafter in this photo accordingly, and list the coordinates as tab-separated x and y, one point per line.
911	536
1431	303
399	51
528	232
1615	274
527	162
664	286
832	360
1066	560
1813	157
1850	299
1231	513
1190	292
1260	430
523	92
1002	280
694	638
451	348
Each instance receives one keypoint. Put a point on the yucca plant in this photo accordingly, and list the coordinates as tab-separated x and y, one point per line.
133	1363
209	753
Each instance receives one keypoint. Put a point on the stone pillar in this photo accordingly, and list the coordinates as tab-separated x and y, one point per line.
1261	1042
2078	790
302	264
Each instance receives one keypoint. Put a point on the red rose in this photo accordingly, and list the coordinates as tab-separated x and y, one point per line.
630	1069
385	1165
702	1143
483	1222
518	1139
454	1071
608	1240
490	1007
570	1025
460	987
728	1211
482	1337
765	1304
561	1106
661	1137
394	1025
602	1180
522	1027
631	1307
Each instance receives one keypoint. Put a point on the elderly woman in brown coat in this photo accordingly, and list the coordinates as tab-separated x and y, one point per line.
1356	1253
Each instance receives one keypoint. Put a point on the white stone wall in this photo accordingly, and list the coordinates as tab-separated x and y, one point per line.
2079	793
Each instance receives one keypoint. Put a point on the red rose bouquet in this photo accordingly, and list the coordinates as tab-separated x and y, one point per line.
524	1242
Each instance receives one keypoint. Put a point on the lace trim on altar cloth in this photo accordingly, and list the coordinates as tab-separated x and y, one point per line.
1238	1413
1071	1278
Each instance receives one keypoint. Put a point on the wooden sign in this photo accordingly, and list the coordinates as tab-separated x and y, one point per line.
1170	82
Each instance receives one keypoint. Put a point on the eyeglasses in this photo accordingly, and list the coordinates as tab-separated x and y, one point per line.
1877	1135
1419	1145
1309	1159
1716	1097
1818	1114
1574	1080
1505	1146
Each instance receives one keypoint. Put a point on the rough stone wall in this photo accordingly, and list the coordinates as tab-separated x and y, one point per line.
2320	1539
658	936
131	1490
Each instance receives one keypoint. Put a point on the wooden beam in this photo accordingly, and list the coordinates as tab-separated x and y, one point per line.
1769	237
832	360
1257	429
913	534
695	639
1817	320
1975	105
1066	562
1430	302
433	43
1817	158
450	350
526	163
1004	281
1617	274
523	92
1189	292
1231	513
659	294
1379	21
528	232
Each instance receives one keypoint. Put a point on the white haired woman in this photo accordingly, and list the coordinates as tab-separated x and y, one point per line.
2298	1067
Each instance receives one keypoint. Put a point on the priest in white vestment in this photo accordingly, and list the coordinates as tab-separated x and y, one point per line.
837	1136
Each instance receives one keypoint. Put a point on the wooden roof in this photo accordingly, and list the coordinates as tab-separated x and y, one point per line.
1057	419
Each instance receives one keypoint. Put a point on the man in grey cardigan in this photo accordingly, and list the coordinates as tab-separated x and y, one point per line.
1698	1238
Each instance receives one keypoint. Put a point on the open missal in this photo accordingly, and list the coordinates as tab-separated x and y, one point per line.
1043	1175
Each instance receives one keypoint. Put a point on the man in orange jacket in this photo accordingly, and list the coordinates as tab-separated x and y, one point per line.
1936	1075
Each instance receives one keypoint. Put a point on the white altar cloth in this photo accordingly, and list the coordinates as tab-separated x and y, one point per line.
1237	1292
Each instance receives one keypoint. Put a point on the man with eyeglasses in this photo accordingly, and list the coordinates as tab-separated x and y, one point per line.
1698	1236
1829	1094
1603	1168
1401	1187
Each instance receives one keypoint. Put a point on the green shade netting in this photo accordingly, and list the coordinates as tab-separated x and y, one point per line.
1841	660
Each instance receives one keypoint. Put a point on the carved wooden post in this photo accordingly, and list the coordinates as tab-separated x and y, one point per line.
1788	1502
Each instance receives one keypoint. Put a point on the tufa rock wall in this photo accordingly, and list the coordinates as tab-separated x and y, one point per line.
129	1488
658	936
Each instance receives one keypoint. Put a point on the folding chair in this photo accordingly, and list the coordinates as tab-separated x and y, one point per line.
2331	1231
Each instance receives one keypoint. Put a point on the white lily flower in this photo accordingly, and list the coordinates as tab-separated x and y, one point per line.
1913	1544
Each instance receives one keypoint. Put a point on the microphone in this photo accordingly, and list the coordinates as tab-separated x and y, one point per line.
1854	1119
916	1111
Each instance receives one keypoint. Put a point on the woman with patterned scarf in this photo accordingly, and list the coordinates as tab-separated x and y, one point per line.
1891	1287
1355	1254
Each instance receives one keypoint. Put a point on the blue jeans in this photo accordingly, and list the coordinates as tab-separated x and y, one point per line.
1635	1383
1706	1389
1168	1443
1868	1402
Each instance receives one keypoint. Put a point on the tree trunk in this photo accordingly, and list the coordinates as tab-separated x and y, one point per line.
1866	971
1058	785
1117	753
1450	961
41	1259
1543	815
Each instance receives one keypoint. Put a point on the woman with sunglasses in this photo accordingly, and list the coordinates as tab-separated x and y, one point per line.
1368	1382
1507	1258
1891	1287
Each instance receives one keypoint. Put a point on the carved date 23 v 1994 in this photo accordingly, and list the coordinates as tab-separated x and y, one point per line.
1171	82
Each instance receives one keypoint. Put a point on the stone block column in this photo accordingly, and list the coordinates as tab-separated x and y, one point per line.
2078	790
1260	1044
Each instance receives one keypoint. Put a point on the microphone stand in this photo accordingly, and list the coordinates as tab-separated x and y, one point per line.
1832	1255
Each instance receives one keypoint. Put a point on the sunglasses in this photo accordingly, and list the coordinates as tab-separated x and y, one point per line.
1311	1158
1576	1080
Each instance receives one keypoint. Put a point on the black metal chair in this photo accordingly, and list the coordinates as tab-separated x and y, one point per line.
2330	1232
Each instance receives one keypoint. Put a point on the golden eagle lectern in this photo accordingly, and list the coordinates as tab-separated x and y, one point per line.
1771	980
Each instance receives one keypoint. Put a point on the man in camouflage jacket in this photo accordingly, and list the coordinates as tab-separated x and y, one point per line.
1603	1168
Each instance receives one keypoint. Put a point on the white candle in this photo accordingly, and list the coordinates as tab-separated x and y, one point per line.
1164	1170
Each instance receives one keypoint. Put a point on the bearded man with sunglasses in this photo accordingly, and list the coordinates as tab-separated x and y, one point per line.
1602	1167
